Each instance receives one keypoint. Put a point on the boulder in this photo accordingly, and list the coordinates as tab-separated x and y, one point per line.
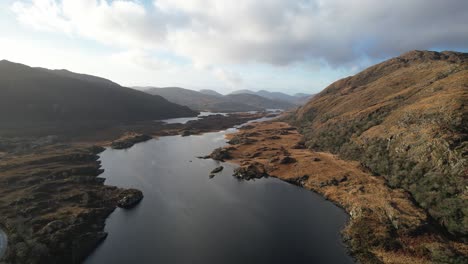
251	171
288	160
218	169
129	198
220	154
299	181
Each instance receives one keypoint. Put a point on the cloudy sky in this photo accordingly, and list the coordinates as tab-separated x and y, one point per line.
277	45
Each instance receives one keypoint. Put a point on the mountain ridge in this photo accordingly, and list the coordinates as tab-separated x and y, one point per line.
209	102
31	95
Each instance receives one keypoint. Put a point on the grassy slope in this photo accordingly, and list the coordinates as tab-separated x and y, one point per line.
405	119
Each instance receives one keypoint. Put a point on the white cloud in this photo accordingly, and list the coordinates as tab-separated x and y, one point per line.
118	23
233	80
211	32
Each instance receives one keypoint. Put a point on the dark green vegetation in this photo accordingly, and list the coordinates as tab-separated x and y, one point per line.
405	119
32	96
207	100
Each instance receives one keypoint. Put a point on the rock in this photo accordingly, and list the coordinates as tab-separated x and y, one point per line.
129	141
273	160
333	182
251	171
220	154
246	127
212	176
96	149
186	133
287	160
256	154
241	140
52	227
299	145
129	198
218	169
345	178
299	181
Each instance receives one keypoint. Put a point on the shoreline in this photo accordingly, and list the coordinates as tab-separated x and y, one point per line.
3	243
385	226
66	225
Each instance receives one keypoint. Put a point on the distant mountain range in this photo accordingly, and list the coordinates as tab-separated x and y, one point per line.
29	95
297	99
209	100
241	100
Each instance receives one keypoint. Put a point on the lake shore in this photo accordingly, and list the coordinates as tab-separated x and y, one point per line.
385	226
3	243
54	204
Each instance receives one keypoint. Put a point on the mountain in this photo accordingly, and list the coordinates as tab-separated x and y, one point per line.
405	119
199	101
301	95
29	95
259	101
245	91
297	99
210	92
214	103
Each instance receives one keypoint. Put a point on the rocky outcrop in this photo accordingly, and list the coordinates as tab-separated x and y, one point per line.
241	140
299	181
129	198
220	154
287	160
251	171
129	140
217	169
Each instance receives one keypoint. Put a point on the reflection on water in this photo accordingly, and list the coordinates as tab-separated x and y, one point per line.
186	217
183	120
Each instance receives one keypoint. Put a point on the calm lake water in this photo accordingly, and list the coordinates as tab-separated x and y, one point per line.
186	217
183	120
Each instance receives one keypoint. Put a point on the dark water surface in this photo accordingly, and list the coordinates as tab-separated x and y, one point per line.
186	217
3	243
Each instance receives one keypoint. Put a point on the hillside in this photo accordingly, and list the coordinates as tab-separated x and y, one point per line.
203	101
405	119
297	99
31	95
210	92
259	101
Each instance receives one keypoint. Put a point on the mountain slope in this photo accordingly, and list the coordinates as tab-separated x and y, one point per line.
297	99
228	103
29	95
407	120
259	101
210	92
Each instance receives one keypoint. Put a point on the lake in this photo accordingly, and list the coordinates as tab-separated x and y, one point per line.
186	217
